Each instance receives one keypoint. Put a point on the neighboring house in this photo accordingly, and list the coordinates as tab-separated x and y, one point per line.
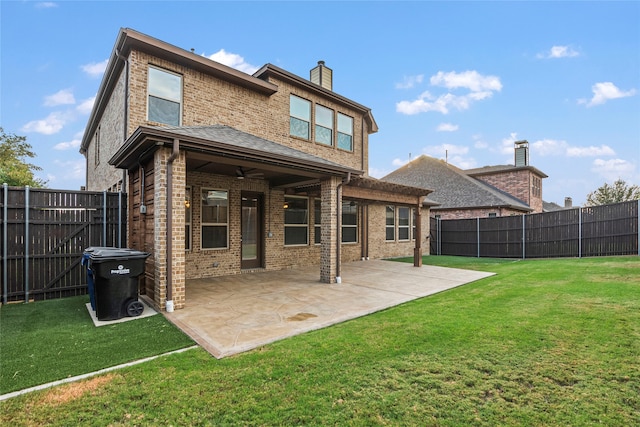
230	173
488	191
552	207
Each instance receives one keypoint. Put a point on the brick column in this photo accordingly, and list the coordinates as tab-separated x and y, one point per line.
160	226
329	223
178	267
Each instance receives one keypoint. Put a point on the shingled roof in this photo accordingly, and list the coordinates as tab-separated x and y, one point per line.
453	188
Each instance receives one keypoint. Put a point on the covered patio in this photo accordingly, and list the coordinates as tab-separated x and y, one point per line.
231	314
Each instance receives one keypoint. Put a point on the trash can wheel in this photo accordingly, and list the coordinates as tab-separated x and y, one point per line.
134	308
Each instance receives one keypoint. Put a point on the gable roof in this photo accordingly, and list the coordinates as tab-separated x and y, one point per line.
128	40
453	189
271	70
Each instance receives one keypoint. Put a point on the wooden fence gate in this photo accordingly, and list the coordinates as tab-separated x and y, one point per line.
45	233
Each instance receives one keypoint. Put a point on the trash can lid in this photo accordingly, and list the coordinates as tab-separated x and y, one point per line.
107	254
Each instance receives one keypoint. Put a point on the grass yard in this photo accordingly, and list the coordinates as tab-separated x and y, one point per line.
544	342
51	340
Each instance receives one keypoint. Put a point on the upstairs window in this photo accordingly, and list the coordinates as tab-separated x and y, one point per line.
345	132
300	120
324	125
165	97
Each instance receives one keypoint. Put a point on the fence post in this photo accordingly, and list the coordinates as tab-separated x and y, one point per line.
26	243
579	232
5	238
120	219
104	218
478	235
523	237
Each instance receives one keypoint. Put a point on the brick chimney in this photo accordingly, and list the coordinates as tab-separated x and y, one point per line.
322	75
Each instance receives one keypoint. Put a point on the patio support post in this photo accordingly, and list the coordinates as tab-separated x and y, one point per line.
417	251
329	225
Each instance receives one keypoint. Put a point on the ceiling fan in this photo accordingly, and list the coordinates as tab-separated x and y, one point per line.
241	173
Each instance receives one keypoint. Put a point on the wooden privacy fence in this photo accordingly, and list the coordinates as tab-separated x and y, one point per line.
581	232
44	235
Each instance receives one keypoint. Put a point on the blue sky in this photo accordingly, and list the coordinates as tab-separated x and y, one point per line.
463	78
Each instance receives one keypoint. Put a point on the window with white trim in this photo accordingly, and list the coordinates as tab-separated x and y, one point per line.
296	221
345	132
349	222
215	219
404	223
165	97
300	117
390	214
324	125
414	219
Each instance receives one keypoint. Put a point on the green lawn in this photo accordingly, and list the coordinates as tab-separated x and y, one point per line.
50	340
544	342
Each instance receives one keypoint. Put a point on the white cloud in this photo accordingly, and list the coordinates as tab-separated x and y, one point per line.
95	69
613	169
53	123
479	143
559	52
74	143
447	127
410	81
46	5
62	97
471	80
551	147
480	87
74	169
507	143
378	173
603	150
85	106
400	162
604	91
233	60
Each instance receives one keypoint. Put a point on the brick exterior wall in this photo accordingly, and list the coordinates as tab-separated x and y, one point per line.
100	175
519	184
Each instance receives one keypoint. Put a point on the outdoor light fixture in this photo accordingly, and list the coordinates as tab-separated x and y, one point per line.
286	205
187	203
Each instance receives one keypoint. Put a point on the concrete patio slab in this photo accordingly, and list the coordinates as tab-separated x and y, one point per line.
232	314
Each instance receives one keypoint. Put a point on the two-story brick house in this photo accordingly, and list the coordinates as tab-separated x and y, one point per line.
230	173
502	190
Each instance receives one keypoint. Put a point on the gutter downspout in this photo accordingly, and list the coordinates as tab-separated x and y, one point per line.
126	112
339	227
169	260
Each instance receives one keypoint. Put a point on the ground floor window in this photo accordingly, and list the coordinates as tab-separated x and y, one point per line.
403	223
349	222
187	219
215	219
317	221
390	223
296	221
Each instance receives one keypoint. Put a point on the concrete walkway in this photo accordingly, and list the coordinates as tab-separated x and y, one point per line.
232	314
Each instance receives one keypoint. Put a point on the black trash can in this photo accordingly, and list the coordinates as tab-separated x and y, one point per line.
115	276
86	261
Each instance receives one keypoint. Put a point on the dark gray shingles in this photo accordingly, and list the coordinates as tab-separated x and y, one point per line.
452	187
